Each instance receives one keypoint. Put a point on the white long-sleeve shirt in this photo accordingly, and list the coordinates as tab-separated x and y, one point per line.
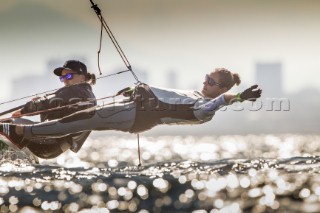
203	108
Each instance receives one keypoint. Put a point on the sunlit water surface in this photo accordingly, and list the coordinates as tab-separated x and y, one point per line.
253	173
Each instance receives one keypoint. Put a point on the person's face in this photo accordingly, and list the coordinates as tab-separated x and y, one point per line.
75	79
212	87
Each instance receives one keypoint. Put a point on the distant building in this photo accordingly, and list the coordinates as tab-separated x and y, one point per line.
33	84
269	78
172	79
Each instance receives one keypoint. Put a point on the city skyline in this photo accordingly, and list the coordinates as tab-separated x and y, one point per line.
158	37
263	74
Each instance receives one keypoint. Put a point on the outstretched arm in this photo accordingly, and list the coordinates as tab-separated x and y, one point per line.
203	111
250	94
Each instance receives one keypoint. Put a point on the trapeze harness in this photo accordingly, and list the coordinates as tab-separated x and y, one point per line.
156	106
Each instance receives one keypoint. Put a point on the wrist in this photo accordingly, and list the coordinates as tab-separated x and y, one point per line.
238	98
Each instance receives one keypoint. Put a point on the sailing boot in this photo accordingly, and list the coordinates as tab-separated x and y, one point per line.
10	137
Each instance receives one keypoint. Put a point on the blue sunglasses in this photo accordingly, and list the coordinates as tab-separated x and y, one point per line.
211	81
67	76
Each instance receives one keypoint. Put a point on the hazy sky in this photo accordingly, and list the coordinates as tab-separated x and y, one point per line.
190	37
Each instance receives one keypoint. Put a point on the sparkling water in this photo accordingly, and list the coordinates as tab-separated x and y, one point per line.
252	173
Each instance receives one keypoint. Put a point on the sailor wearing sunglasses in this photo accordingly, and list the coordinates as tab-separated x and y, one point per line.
73	72
77	87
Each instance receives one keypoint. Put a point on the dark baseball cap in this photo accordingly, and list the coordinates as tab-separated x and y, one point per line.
74	65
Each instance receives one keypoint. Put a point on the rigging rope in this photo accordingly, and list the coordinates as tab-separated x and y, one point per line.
50	92
139	155
100	44
80	103
113	40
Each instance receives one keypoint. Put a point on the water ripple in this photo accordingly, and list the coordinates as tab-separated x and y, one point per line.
189	174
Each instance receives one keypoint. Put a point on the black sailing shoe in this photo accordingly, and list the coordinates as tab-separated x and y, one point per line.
9	136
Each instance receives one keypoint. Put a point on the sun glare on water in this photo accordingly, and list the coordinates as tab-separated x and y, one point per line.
187	174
